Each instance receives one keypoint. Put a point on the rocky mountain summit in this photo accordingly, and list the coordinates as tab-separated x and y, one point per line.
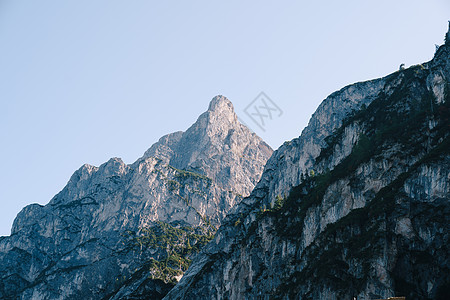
123	231
357	206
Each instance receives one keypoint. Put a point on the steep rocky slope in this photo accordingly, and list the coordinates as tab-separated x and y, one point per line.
125	231
357	206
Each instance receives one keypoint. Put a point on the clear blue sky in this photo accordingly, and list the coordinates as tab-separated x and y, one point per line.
83	81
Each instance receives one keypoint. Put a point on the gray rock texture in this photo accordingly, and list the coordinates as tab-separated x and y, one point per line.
93	240
357	206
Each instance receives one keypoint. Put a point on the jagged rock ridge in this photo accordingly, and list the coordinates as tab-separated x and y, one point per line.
129	231
357	206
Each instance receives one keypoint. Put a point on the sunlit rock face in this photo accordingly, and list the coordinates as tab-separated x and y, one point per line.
357	206
93	239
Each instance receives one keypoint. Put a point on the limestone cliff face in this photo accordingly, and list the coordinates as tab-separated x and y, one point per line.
358	205
108	233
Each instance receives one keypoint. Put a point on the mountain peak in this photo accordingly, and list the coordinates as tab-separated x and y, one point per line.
217	135
220	104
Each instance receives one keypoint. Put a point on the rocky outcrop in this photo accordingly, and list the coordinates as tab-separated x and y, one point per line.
357	206
129	231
